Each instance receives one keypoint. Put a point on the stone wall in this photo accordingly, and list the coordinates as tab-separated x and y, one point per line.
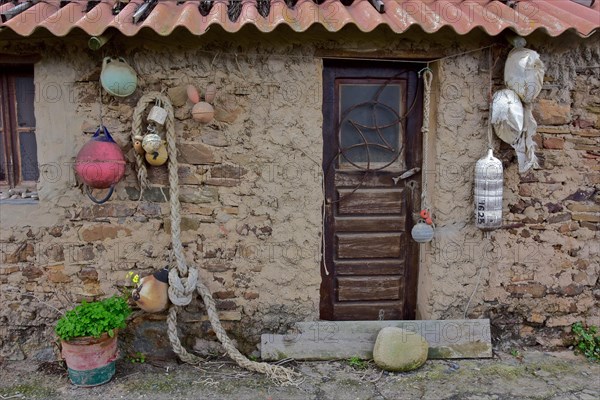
538	274
251	190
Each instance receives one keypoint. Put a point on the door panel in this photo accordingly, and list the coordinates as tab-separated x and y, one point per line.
372	116
369	288
368	310
353	179
369	245
370	201
370	223
374	267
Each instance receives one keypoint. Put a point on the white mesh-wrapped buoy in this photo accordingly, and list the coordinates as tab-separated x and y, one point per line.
488	192
507	115
524	73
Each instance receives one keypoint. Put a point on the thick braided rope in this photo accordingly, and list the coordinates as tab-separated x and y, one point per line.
427	78
183	280
136	130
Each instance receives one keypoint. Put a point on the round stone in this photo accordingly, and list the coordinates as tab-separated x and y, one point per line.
398	349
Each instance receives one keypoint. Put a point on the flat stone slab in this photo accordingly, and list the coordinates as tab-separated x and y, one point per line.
330	340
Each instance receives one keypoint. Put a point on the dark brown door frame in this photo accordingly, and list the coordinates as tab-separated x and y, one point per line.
413	157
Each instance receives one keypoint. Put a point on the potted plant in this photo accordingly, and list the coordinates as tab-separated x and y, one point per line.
88	335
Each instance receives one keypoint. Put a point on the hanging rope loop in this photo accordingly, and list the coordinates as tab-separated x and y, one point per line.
427	79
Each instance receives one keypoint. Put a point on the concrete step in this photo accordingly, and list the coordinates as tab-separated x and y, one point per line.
330	340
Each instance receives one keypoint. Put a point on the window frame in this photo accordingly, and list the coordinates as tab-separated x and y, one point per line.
342	162
11	131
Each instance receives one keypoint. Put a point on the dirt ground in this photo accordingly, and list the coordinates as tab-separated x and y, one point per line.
528	374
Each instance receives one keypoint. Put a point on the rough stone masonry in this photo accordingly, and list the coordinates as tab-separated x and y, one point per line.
251	189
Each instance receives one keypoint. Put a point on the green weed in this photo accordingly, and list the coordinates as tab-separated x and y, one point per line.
357	363
587	341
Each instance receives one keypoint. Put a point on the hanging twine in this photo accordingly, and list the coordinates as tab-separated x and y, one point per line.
490	138
184	280
427	78
489	131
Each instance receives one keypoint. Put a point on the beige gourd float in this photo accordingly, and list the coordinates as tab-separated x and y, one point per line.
203	111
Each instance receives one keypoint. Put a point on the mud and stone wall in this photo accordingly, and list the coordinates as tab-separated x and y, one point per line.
251	190
538	274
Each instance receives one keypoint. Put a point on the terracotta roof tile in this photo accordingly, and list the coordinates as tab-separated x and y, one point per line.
552	16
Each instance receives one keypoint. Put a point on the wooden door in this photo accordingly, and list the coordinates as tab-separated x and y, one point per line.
372	114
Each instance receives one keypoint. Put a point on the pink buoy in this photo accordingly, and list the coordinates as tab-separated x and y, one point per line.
193	94
100	164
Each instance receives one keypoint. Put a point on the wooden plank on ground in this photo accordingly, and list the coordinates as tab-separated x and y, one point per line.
329	340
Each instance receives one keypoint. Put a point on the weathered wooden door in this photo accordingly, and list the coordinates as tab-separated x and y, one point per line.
372	114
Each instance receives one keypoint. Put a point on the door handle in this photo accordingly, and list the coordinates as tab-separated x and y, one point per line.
405	175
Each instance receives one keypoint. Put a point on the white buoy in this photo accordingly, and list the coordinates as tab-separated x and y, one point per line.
488	192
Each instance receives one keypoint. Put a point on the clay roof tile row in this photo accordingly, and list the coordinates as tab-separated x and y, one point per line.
524	17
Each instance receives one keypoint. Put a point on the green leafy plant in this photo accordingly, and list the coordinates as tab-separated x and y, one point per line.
516	354
138	357
357	363
93	319
587	341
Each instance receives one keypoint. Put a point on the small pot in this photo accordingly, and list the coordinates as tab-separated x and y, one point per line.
90	361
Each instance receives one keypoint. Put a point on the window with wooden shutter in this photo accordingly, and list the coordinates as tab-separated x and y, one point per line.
18	148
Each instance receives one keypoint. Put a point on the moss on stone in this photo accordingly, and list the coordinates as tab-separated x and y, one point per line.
29	390
509	372
556	367
160	383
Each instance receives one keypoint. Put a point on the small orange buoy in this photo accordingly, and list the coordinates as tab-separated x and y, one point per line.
193	94
424	214
137	146
429	221
203	112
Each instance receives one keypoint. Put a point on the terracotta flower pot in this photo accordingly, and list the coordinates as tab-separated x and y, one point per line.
90	361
